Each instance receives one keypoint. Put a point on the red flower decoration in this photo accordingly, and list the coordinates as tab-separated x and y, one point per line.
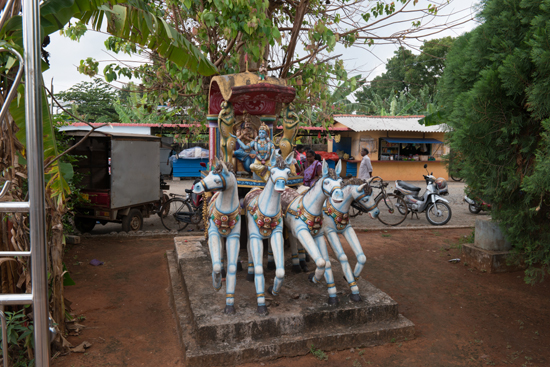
260	222
267	219
309	222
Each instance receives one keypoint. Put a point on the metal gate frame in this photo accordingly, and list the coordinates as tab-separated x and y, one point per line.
36	205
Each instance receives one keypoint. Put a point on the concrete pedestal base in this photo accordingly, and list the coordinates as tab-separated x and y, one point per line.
299	316
487	260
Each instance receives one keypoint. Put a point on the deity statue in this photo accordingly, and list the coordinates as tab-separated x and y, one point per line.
290	128
246	134
226	120
262	71
263	147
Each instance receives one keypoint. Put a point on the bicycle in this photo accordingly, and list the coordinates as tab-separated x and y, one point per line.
389	205
181	210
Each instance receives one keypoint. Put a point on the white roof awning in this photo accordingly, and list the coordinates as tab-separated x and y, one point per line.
360	123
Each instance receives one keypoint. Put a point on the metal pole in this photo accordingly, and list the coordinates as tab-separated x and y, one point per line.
35	163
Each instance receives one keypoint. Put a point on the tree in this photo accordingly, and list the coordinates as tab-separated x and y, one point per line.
132	22
410	73
275	32
92	101
496	98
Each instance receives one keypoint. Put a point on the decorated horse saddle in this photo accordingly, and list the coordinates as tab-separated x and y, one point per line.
224	222
266	224
314	222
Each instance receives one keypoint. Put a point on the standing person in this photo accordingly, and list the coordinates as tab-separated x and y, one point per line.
365	169
172	156
313	170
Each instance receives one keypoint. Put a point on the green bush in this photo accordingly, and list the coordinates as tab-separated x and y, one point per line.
495	89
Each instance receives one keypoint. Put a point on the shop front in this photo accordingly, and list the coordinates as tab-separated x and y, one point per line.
399	146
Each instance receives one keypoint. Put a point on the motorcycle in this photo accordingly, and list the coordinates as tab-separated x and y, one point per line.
477	205
438	211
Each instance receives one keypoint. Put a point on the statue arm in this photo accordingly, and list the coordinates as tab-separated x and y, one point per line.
243	145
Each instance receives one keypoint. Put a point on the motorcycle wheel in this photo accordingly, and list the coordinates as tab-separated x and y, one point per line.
170	211
434	218
474	209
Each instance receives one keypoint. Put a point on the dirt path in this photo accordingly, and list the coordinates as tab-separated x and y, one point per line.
462	317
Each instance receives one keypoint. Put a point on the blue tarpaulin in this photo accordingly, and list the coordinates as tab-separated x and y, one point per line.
413	141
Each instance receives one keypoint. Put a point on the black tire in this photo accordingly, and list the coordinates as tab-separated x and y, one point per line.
84	225
446	213
454	177
389	213
164	199
474	209
170	209
132	222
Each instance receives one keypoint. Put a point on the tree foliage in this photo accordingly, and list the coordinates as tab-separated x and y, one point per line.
496	95
91	101
409	73
295	38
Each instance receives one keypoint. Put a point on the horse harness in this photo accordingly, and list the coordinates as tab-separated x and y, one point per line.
266	224
341	219
224	222
313	222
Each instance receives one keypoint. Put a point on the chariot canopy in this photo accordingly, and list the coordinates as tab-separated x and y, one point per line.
239	107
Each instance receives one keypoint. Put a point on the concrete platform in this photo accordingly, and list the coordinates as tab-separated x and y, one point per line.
298	317
488	260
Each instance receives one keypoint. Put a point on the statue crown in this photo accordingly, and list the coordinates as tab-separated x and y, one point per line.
263	126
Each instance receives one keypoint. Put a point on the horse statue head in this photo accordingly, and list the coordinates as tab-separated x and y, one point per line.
219	179
331	182
280	170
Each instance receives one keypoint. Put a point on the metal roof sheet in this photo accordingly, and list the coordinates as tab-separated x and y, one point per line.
387	123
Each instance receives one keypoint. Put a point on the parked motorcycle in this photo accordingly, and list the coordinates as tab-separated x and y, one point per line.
477	205
438	211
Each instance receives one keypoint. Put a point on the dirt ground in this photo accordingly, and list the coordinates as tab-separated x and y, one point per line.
463	317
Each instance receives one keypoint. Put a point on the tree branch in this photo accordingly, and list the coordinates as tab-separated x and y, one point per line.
300	13
227	49
93	128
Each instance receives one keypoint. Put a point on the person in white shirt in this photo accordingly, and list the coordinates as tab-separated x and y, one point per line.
365	169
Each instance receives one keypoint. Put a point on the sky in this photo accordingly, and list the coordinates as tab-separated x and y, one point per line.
65	55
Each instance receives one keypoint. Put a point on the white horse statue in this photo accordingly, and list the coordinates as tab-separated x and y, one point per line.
265	221
336	221
304	220
224	223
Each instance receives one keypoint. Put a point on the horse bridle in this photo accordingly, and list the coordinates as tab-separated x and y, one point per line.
328	194
223	183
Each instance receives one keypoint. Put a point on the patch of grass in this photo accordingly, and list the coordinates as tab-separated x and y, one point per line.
356	363
436	233
393	340
318	353
386	235
361	352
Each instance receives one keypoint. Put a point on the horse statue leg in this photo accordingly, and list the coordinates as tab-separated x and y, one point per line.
336	245
294	251
277	243
214	244
232	246
257	250
309	243
250	275
355	245
302	256
329	276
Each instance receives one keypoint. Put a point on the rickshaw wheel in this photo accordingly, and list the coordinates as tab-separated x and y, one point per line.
84	225
133	221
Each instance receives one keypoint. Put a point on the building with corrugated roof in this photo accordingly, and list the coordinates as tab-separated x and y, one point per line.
398	146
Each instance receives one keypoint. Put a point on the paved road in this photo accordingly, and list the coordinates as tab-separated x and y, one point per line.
461	216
